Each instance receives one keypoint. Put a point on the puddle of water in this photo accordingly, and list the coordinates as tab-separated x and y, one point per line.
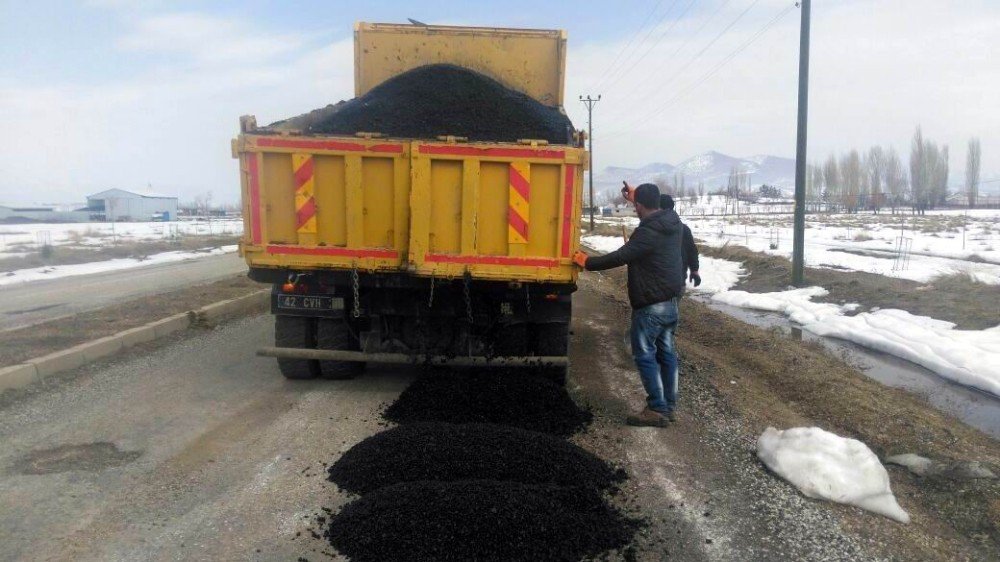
90	457
976	408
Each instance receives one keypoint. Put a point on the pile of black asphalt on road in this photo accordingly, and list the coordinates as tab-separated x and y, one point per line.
478	468
437	100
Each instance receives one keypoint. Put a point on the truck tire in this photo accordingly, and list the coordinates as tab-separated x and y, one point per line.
296	331
552	339
335	333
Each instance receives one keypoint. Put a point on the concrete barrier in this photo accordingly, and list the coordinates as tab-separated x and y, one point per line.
222	310
33	370
53	363
17	376
135	336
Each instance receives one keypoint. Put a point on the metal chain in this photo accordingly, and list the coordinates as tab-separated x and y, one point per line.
527	298
430	300
356	309
468	298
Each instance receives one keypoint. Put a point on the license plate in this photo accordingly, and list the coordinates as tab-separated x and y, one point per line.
306	302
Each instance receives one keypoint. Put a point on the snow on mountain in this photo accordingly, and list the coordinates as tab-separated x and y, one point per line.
650	173
712	168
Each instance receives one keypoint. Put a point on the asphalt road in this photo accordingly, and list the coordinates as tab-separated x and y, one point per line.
30	303
193	450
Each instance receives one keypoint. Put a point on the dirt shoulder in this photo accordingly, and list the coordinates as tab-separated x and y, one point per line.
25	343
955	298
736	381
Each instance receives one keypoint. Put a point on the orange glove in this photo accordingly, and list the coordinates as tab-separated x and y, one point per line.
628	192
580	259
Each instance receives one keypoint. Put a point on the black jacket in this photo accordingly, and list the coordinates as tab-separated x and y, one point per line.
689	250
654	259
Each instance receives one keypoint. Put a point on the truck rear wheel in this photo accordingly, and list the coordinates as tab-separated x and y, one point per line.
552	339
296	331
335	334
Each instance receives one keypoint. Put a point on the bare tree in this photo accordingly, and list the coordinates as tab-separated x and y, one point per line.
701	189
816	183
831	177
850	171
919	171
940	183
865	185
972	169
876	174
733	186
895	179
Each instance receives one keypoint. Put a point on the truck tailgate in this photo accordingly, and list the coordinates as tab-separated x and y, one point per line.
497	211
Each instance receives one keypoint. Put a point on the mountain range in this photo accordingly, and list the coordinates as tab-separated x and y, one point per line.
712	168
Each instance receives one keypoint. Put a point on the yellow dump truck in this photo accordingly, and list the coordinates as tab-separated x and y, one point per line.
384	249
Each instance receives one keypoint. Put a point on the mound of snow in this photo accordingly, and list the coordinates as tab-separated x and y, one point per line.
826	466
969	357
795	304
717	275
603	244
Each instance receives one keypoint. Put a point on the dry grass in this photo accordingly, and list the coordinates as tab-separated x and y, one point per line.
955	298
67	255
25	343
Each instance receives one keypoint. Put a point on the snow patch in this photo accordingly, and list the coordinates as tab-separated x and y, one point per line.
826	466
969	357
57	271
795	304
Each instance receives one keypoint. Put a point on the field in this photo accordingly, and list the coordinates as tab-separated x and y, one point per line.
30	252
936	305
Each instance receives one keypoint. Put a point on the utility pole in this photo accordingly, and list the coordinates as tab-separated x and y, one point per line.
590	103
799	231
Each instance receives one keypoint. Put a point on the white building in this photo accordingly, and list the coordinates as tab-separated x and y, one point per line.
122	205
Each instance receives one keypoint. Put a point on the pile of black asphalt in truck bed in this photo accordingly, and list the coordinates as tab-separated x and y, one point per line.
439	99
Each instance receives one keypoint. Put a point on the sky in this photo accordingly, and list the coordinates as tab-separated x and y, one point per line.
147	94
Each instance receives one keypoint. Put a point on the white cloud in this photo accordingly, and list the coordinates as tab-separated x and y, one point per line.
170	126
207	39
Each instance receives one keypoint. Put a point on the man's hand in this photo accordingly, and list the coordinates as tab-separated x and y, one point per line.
695	278
628	192
580	259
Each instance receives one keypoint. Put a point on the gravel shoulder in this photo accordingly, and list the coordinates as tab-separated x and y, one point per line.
736	381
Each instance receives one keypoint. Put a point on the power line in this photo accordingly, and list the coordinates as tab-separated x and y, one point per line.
663	35
615	73
709	45
652	91
631	39
684	91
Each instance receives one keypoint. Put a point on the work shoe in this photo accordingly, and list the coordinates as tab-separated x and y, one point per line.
671	416
647	418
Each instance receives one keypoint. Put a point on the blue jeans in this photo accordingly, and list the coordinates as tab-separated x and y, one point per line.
654	353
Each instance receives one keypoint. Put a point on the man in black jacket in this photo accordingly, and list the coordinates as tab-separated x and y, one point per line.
688	249
655	282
